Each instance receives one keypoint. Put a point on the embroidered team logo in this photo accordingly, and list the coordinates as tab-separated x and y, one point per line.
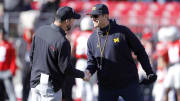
52	48
116	40
94	8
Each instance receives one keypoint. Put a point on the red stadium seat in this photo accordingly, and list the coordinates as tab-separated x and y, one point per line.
145	13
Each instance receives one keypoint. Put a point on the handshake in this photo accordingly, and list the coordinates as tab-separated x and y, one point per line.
151	78
87	75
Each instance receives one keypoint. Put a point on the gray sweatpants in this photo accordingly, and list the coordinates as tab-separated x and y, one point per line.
6	77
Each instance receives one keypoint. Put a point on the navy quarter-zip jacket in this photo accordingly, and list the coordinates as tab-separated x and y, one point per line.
50	54
118	67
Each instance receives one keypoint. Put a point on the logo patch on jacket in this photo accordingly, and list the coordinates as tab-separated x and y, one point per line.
116	40
52	48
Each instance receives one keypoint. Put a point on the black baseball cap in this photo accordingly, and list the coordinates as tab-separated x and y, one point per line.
99	9
67	13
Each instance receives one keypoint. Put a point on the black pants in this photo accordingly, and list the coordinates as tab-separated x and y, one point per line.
26	82
129	93
67	88
3	94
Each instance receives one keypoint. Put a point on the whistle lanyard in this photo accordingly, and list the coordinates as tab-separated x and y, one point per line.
102	48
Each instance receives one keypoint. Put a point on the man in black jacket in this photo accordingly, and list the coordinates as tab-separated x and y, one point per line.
50	57
109	53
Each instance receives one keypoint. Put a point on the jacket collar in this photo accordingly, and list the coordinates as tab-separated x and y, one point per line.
58	29
102	31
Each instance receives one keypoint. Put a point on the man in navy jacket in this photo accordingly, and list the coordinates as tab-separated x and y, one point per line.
109	53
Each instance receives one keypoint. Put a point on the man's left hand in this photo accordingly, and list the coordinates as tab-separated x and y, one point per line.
151	78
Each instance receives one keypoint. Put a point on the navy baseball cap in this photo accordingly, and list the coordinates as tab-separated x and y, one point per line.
67	13
99	9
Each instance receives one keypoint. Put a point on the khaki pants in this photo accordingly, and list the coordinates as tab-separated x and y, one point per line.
45	92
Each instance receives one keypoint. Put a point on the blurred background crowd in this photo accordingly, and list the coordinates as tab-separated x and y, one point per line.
155	22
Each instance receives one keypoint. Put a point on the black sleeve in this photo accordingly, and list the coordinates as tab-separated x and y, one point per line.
32	51
72	71
92	67
136	46
64	62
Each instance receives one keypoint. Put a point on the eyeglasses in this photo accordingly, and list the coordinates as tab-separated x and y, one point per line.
94	16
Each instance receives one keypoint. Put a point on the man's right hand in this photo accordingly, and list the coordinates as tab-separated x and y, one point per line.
87	75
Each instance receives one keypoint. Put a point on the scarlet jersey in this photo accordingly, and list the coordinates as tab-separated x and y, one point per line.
170	51
75	34
174	51
81	44
7	57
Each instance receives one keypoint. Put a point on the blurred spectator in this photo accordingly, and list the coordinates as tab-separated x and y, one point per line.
167	53
158	88
47	12
23	54
49	5
1	10
173	36
26	26
27	20
43	18
11	5
7	65
3	94
83	90
161	55
16	5
172	80
146	40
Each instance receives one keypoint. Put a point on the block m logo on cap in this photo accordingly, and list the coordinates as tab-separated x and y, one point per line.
94	8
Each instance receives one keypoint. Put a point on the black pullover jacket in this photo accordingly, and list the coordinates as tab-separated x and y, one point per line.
50	54
118	67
